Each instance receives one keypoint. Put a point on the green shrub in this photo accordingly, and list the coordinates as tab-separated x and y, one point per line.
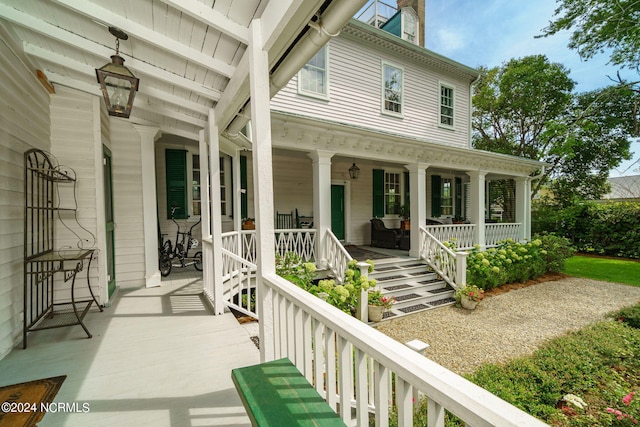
555	251
628	315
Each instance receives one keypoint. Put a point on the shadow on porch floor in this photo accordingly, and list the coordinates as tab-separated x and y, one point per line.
157	358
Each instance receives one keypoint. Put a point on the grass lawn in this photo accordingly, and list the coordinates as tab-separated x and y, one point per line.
606	269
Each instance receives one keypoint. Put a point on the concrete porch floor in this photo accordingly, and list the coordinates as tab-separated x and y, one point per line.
158	357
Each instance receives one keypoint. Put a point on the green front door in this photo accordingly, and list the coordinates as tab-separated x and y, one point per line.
337	211
109	223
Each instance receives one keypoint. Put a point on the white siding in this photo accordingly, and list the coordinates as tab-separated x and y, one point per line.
24	118
355	95
127	204
73	146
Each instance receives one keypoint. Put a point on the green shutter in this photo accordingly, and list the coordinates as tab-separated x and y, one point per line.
436	191
176	169
378	193
407	197
458	209
244	210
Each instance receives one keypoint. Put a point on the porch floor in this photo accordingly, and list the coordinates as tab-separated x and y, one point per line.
157	357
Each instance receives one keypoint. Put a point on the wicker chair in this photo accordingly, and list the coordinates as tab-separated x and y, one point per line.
384	237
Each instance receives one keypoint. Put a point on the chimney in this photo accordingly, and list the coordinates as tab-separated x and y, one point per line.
418	6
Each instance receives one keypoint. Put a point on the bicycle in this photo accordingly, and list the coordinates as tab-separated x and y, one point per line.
184	242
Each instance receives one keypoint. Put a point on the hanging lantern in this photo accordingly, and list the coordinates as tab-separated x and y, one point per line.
118	84
354	171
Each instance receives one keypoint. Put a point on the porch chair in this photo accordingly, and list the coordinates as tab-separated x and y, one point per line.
284	220
303	221
384	237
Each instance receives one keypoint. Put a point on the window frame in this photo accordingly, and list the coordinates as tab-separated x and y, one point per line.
388	195
313	94
383	90
441	86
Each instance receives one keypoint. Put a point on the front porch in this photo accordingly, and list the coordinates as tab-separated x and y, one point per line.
157	357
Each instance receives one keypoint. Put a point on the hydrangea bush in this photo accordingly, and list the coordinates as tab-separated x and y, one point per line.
512	261
343	296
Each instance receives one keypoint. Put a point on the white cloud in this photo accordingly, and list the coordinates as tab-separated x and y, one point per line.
449	40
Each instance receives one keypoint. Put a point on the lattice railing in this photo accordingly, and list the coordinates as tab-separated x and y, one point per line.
301	241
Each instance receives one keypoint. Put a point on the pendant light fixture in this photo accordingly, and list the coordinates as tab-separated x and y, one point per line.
118	84
354	171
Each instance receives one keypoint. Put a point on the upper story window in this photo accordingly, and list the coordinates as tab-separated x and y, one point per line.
313	78
392	77
446	106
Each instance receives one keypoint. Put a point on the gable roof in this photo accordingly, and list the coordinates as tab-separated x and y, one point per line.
624	187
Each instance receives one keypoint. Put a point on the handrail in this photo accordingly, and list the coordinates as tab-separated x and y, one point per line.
353	365
450	265
495	233
337	256
463	234
239	283
302	241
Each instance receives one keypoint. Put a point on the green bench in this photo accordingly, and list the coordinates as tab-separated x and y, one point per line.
276	394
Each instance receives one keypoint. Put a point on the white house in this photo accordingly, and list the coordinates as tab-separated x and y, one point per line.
323	93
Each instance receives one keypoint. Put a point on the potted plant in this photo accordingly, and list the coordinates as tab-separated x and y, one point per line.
469	296
405	214
378	304
457	220
248	224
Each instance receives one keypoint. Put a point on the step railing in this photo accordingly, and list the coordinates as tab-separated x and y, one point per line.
450	265
239	277
495	233
337	256
464	234
361	372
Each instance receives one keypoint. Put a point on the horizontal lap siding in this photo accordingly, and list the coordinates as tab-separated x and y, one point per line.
72	144
25	124
127	204
355	95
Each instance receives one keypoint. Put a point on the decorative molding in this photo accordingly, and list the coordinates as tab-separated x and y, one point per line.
305	134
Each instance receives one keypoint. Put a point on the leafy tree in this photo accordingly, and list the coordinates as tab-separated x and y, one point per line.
600	25
526	108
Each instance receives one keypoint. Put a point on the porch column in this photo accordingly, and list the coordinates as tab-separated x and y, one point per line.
477	187
148	137
523	206
263	182
417	203
215	217
237	195
321	201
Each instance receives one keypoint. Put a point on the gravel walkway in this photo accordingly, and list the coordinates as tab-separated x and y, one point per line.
512	324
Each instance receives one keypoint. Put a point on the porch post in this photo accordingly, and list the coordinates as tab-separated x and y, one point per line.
148	137
417	203
477	186
205	223
215	213
321	201
523	206
263	183
237	197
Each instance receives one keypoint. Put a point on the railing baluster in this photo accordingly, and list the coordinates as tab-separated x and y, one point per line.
330	363
404	396
345	371
307	337
435	414
318	356
361	391
381	394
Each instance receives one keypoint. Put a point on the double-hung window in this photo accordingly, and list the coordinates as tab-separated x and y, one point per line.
313	78
446	106
392	193
392	82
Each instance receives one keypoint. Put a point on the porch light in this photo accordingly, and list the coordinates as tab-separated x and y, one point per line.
354	171
118	84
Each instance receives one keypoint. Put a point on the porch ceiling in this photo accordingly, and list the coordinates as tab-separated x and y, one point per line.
298	133
188	54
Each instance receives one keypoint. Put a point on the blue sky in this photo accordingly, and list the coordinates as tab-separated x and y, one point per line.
490	32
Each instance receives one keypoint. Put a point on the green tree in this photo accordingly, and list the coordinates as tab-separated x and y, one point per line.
601	25
527	108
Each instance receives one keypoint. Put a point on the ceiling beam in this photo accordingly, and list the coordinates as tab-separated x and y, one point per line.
211	17
55	58
147	35
66	37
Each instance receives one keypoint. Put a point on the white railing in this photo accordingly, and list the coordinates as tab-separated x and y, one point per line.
494	233
450	265
301	241
356	367
239	277
241	243
337	256
462	233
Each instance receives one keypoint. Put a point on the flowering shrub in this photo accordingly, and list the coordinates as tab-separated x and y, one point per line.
343	296
511	261
627	416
